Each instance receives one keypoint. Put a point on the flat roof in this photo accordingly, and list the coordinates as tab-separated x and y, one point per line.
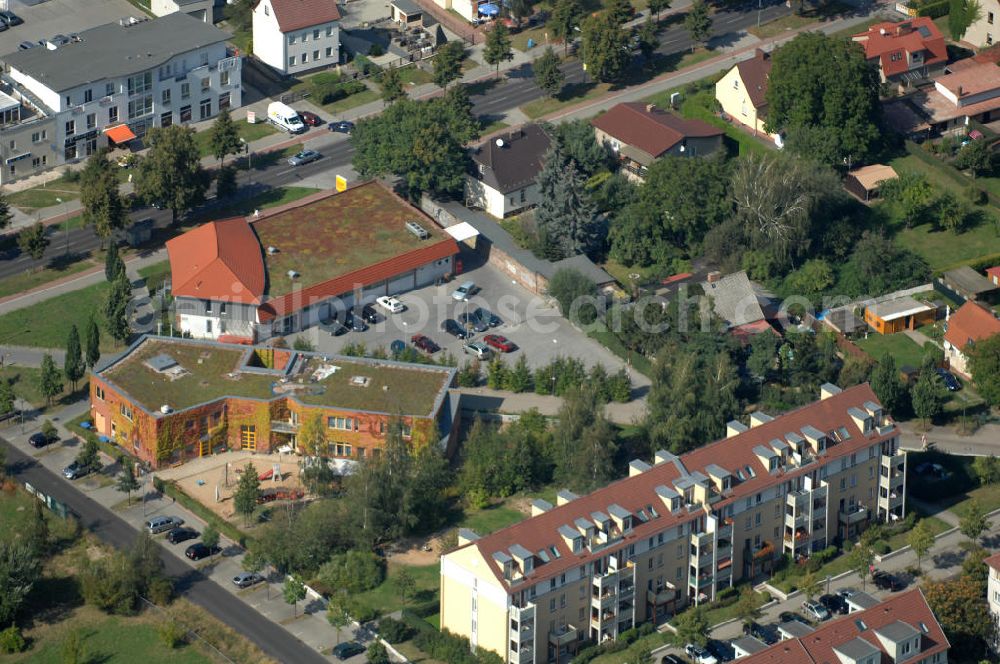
332	234
205	371
969	280
8	103
898	308
112	51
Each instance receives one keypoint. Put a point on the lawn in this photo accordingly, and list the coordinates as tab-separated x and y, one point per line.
386	598
16	512
606	338
248	132
495	125
353	101
45	195
796	21
26	281
903	349
572	94
414	75
520	40
155	275
622	273
46	324
491	519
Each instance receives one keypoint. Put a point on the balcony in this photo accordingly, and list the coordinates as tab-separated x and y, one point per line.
284	426
701	580
799	520
524	655
563	636
763	551
661	596
851	516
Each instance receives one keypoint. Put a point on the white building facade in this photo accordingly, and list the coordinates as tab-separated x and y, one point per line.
297	36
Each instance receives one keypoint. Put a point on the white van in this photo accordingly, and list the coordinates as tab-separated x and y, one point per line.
285	117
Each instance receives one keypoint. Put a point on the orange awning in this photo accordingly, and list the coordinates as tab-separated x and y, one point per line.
120	134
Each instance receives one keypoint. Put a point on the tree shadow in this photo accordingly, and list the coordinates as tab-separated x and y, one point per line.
480	88
64	261
52	600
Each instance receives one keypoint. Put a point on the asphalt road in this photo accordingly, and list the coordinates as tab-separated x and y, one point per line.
192	584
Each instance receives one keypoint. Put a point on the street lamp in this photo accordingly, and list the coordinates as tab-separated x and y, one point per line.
60	201
246	149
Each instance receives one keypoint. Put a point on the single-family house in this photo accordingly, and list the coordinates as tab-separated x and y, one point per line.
964	283
742	91
639	134
295	36
207	11
735	301
896	315
993	274
905	52
980	32
971	323
501	180
864	182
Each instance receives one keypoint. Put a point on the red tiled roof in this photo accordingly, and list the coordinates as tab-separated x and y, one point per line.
972	322
650	129
993	561
902	38
637	492
220	260
817	647
366	276
298	14
754	74
993	273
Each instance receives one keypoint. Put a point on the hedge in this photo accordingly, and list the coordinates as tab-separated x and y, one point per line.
934	9
171	489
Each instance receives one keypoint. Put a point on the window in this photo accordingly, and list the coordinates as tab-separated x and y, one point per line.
139	107
736	84
70	127
756	519
223	78
68	102
342	423
224	101
165	97
125	411
305	58
70	152
205	109
562	601
343	449
185	113
91	120
329	51
206	83
109	89
267	10
552	604
88	96
315	55
248	437
185	90
38	136
305	37
329	31
989	17
140	83
989	38
113	115
316	33
749	523
99	393
291	39
291	60
361	452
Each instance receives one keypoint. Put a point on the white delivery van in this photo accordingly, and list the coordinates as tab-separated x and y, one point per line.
285	117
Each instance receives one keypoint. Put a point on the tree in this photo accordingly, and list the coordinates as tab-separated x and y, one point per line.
210	537
887	384
36	531
103	206
448	63
927	396
584	445
825	95
20	568
33	241
6	215
860	560
748	606
973	522
498	47
116	307
312	435
563	21
987	469
224	137
520	9
962	14
93	344
973	566
294	591
73	365
657	6
604	47
73	650
247	492
648	43
336	612
619	10
878	265
50	381
952	213
548	76
113	263
392	85
961	608
405	583
912	193
377	654
984	366
920	540
576	295
576	142
89	455
127	481
565	216
976	157
225	182
7	397
170	174
691	627
698	23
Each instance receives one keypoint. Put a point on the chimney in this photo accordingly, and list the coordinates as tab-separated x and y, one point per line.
714	276
650	108
960	91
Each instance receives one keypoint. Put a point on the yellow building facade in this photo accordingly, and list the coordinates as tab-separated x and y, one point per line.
741	92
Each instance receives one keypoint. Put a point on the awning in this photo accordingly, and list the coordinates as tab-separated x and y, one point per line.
120	134
489	9
462	231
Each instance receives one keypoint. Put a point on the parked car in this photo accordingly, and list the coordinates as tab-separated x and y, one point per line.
834	604
310	119
182	534
759	632
3	26
304	157
950	380
391	304
334	327
450	326
40	440
25	45
847	593
886	581
472	323
478	349
247	579
424	343
75	471
369	314
159	524
355	323
791	616
347	649
201	550
465	291
721	650
59	40
815	611
500	342
487	316
10	18
341	127
699	655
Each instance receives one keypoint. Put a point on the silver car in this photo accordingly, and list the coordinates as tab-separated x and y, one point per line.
304	157
477	348
159	524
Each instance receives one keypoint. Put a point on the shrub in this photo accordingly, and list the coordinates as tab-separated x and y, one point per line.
12	641
976	195
727	594
161	591
362	613
394	631
375	50
171	634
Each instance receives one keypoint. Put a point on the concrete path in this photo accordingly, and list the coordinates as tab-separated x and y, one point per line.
985	441
919	338
25	356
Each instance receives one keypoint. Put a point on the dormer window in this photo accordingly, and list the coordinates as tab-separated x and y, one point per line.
577	544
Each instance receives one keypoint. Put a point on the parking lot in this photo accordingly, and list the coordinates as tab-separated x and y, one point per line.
52	17
536	327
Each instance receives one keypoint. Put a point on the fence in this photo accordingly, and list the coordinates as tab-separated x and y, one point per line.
188	633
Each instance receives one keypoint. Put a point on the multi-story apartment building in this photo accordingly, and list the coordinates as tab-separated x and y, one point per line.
109	85
993	585
676	531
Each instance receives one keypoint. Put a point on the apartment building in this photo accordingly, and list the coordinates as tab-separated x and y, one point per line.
993	584
296	36
677	530
108	86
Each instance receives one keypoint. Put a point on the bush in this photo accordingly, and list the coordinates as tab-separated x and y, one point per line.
727	594
11	640
394	631
934	9
362	613
976	195
171	634
451	648
355	571
161	591
375	50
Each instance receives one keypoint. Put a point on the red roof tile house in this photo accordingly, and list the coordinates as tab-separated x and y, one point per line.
971	323
641	133
294	36
742	91
247	280
900	629
905	52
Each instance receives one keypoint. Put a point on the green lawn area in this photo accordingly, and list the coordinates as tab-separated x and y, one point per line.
607	339
26	281
46	324
155	274
248	132
491	519
45	195
468	64
571	95
496	125
988	497
520	40
16	512
414	75
353	101
386	598
901	347
795	21
935	525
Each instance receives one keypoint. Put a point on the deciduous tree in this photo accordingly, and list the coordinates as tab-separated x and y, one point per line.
973	522
19	570
575	294
648	43
548	76
170	174
405	583
604	47
584	445
127	482
448	63
103	206
224	137
698	23
89	455
498	47
927	396
50	381
691	627
860	559
565	16
312	435
657	6
887	384
920	539
7	397
392	85
619	10
33	241
247	492
976	157
984	366
113	263
73	365
294	591
748	606
961	608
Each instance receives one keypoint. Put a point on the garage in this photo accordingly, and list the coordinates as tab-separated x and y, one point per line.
371	292
403	283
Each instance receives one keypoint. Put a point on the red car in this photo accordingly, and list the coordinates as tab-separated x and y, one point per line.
424	343
500	342
310	119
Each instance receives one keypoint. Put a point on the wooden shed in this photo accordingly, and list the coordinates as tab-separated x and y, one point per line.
902	313
864	182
